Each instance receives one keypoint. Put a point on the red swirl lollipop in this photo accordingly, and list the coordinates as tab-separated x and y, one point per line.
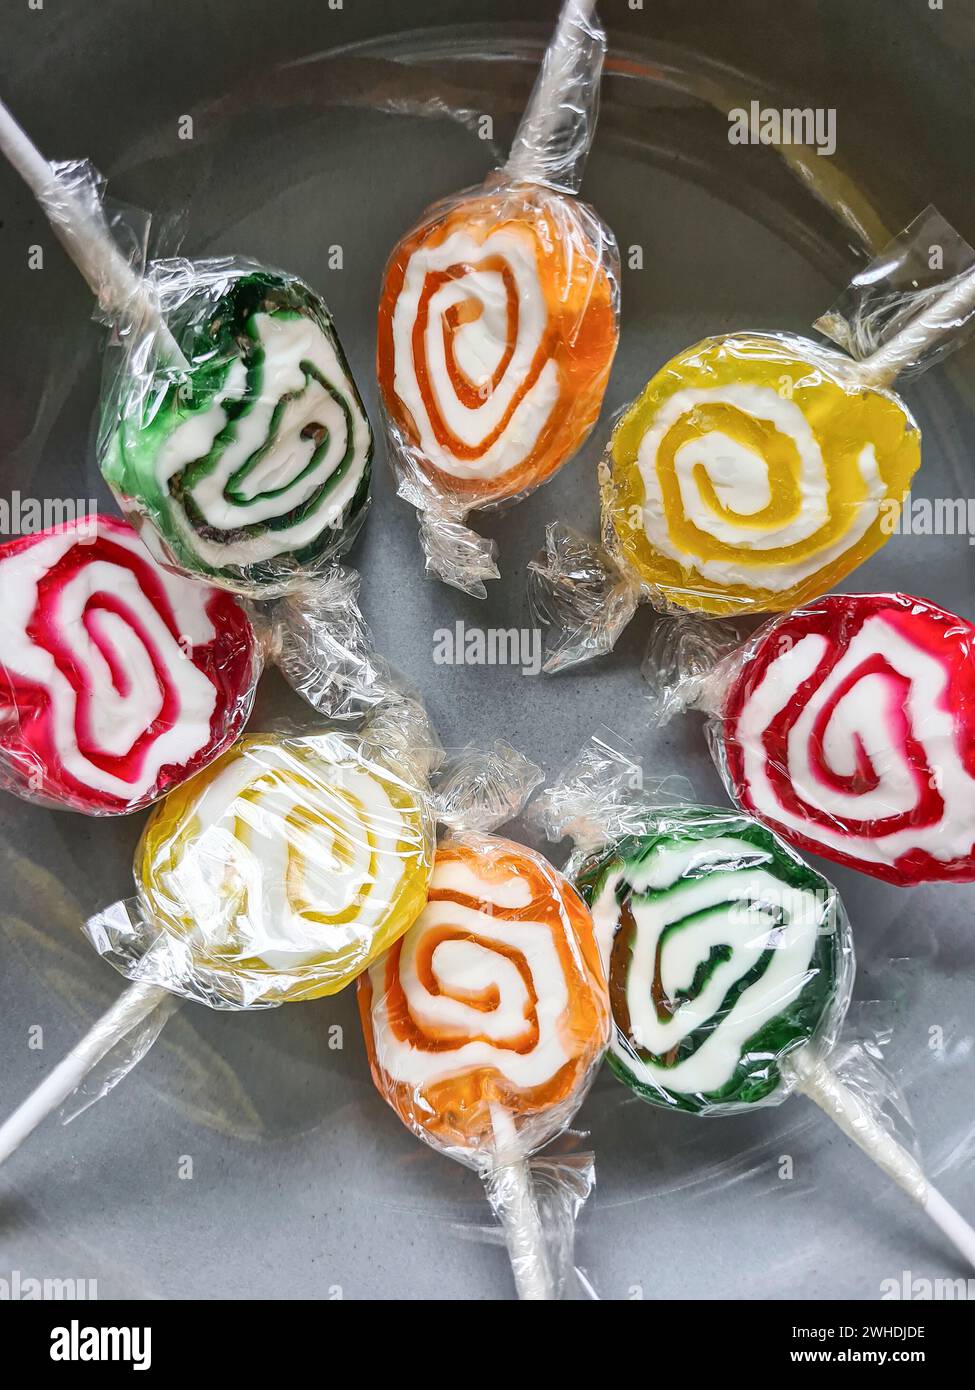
118	679
850	730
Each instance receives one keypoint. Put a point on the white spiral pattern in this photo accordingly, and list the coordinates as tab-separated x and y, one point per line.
481	341
744	905
151	662
863	719
283	480
470	964
289	852
740	480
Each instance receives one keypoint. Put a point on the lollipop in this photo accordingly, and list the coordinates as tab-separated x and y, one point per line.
498	321
849	727
485	1022
722	958
233	434
274	916
276	875
252	468
756	472
118	679
730	969
753	473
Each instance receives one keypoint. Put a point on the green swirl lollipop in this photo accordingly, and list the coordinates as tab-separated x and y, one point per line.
251	467
724	953
232	432
730	968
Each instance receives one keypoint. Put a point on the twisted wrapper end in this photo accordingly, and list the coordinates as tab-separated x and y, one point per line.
457	555
324	648
556	132
401	732
689	663
580	595
480	789
602	795
131	939
537	1203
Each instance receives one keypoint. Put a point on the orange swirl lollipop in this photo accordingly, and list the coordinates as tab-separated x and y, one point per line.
485	1023
499	319
497	329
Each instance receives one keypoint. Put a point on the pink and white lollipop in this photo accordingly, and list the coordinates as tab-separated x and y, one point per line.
850	729
118	679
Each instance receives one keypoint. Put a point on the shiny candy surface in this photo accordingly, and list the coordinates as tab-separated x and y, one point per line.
850	729
723	954
291	862
254	468
497	329
754	473
494	1000
118	679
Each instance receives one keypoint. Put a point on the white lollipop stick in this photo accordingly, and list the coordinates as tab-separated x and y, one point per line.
513	1196
123	294
921	333
135	1004
543	112
815	1080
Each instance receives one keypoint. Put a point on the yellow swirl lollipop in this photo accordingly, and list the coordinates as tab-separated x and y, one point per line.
288	866
755	472
752	473
277	874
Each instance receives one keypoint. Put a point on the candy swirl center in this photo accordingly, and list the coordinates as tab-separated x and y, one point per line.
704	945
476	988
853	745
737	488
286	858
96	644
473	349
279	454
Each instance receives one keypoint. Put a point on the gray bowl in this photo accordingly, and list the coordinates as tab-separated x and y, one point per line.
250	1155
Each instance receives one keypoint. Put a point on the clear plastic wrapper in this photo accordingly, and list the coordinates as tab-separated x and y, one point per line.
120	679
686	661
485	1024
730	967
109	254
153	1007
499	320
322	645
913	274
849	728
580	596
556	132
236	441
480	789
756	470
563	1183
